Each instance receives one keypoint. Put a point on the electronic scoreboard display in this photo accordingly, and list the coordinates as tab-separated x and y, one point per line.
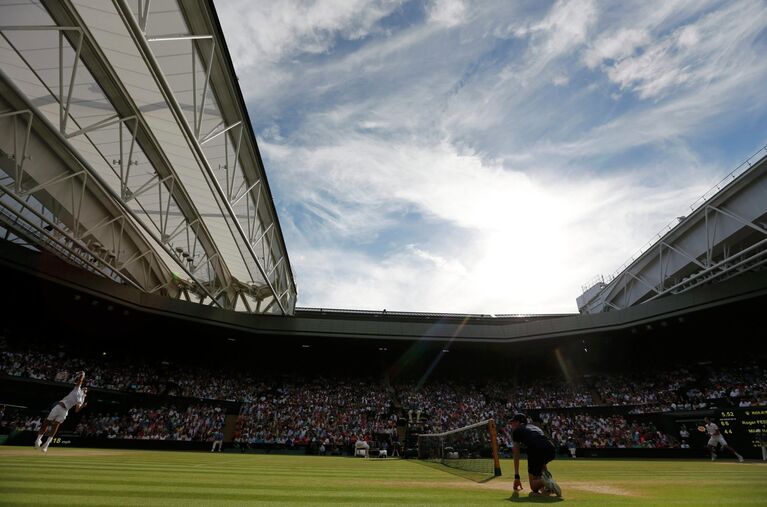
745	428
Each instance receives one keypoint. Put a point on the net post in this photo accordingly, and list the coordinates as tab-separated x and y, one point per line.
494	447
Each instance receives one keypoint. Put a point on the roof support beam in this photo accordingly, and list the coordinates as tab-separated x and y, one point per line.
66	13
192	132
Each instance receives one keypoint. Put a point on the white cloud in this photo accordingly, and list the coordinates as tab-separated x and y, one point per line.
492	169
447	12
512	234
261	36
695	53
616	46
565	27
266	32
560	80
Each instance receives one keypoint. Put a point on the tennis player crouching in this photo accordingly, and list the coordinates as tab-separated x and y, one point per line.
540	451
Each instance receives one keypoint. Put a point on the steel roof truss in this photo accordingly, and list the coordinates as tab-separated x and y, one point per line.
180	228
643	282
263	234
154	181
266	247
197	116
720	269
106	122
143	13
27	234
19	159
58	233
79	184
66	12
257	224
276	265
684	254
214	133
63	104
246	192
230	174
242	296
126	165
737	218
193	131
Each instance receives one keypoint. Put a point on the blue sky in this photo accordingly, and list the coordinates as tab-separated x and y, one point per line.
490	157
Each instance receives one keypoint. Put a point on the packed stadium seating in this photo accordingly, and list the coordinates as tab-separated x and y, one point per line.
335	411
166	422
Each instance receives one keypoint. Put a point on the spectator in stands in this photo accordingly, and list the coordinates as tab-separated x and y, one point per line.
336	411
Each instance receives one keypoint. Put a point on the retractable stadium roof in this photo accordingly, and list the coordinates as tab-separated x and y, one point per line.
724	236
126	148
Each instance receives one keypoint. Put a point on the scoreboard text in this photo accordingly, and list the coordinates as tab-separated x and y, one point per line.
744	427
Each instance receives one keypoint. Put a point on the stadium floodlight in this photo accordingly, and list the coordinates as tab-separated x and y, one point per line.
470	451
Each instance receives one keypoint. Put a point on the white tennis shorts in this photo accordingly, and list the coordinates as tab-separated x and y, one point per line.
58	414
717	439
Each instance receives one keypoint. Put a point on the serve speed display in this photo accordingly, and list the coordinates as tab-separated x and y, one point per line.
744	427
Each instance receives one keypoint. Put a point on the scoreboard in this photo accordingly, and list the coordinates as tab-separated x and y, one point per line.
744	428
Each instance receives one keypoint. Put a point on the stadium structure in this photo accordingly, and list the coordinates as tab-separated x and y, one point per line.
136	219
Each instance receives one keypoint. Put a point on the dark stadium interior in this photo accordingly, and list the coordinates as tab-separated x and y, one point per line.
156	363
77	318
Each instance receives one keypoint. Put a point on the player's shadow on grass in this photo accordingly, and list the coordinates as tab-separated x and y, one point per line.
528	498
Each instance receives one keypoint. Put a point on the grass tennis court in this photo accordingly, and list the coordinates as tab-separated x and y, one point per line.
115	477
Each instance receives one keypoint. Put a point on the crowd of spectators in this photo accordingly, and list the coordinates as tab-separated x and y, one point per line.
647	388
14	419
127	375
657	391
747	384
194	422
595	431
445	405
548	393
339	411
333	412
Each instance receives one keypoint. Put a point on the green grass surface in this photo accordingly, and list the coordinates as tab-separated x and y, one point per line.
112	477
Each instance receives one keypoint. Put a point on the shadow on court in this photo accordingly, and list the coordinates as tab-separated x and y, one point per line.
472	475
532	498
